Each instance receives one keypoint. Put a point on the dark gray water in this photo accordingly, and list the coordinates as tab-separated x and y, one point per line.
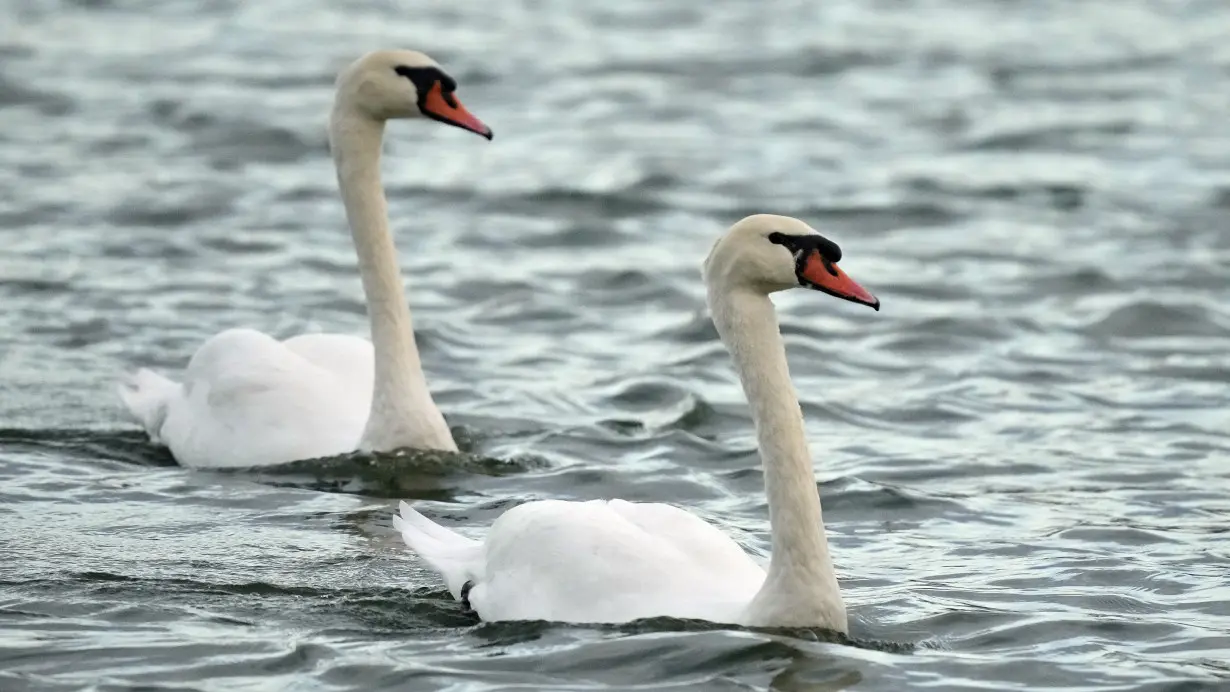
1024	458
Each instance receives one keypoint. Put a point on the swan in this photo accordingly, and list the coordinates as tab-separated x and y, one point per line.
247	399
614	561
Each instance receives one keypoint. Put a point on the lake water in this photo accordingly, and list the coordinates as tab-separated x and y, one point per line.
1024	458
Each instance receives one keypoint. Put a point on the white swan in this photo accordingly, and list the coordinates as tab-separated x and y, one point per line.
616	561
247	399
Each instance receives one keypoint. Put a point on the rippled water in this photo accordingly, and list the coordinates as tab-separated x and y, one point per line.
1024	458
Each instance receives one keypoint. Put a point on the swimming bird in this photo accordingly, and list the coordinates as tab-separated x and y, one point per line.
248	399
612	561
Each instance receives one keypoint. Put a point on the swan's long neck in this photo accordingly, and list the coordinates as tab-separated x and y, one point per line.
403	413
801	587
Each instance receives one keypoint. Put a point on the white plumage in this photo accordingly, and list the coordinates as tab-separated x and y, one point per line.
247	399
614	561
609	561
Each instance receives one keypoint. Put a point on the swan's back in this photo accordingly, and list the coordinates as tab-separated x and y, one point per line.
248	399
350	358
613	561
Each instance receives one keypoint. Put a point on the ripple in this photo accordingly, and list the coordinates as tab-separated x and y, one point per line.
405	473
1148	318
1020	457
171	208
230	142
47	103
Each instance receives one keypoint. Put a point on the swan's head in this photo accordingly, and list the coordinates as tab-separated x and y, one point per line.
388	84
767	253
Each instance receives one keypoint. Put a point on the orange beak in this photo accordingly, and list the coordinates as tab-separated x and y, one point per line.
447	109
822	275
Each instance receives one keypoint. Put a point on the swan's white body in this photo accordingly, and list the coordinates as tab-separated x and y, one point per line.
616	561
247	399
596	561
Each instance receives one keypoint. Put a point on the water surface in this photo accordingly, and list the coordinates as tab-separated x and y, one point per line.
1023	457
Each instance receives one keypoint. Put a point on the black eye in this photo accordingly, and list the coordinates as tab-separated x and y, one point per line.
418	75
425	78
806	243
828	249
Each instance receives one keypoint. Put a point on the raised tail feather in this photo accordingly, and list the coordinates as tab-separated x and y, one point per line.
455	557
146	395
